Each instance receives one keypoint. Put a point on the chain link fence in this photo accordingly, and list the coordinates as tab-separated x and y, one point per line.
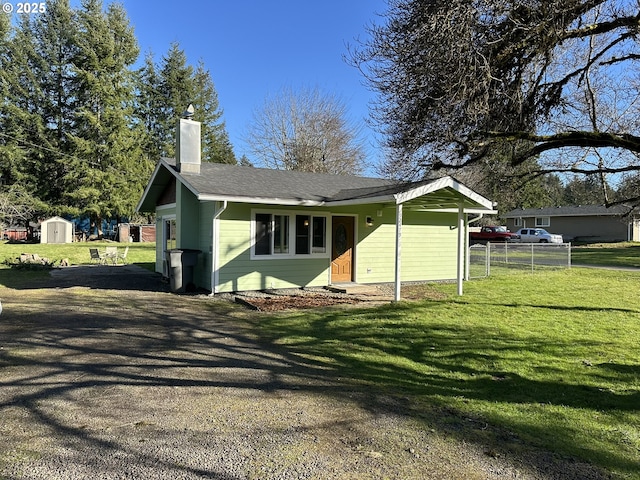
485	258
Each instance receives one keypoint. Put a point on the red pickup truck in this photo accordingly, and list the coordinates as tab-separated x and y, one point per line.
493	234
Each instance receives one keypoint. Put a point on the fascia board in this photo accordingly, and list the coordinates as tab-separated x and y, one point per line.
439	184
260	200
159	165
464	210
363	201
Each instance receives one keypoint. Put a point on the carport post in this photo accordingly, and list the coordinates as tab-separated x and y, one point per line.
461	250
396	295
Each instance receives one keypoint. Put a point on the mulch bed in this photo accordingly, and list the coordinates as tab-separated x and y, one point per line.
274	304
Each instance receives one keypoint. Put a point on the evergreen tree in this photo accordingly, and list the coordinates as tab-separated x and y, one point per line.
149	107
587	191
176	88
22	159
216	146
37	109
79	131
53	107
106	180
164	93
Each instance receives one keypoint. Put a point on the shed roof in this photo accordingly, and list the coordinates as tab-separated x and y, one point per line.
220	182
570	211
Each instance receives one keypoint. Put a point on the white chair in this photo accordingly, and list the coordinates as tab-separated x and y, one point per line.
122	256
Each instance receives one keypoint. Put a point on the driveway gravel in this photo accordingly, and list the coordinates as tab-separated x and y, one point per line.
106	375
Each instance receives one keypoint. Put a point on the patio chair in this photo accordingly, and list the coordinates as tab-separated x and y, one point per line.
96	256
111	253
123	256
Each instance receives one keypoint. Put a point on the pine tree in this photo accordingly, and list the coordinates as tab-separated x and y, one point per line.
148	109
164	93
21	159
176	90
106	180
216	146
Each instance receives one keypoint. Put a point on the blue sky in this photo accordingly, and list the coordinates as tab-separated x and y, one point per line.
254	48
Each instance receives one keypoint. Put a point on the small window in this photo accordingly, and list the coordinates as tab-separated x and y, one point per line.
303	227
263	234
280	234
319	243
542	221
518	222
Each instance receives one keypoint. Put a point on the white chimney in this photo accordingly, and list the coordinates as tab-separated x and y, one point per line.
188	144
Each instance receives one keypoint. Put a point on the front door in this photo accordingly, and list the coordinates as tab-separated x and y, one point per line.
342	249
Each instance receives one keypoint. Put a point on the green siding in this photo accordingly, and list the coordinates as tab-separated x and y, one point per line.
429	247
429	244
205	244
239	272
187	224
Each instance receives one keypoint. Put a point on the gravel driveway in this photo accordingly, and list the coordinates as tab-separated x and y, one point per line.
106	375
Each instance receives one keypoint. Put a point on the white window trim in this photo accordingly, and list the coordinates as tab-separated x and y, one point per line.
543	222
163	220
517	222
292	235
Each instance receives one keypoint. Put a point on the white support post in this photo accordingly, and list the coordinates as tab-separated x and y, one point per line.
467	253
215	242
461	252
396	295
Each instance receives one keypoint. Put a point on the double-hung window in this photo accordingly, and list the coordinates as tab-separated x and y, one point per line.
289	234
271	234
311	234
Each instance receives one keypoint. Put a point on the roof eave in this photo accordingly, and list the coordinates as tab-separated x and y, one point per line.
150	185
210	197
442	183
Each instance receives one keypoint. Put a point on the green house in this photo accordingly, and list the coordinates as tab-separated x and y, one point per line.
259	229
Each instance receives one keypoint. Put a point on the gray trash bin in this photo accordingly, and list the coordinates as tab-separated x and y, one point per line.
181	262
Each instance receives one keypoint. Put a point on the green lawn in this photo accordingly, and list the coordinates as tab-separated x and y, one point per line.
77	253
552	357
625	254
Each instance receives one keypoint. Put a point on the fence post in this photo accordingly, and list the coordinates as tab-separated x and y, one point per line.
532	260
487	250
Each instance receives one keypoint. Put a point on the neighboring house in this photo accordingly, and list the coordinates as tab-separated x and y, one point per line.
584	223
56	230
261	229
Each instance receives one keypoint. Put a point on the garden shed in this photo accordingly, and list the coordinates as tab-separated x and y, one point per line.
56	230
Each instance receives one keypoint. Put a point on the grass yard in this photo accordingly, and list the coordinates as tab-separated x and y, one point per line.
625	254
142	254
552	357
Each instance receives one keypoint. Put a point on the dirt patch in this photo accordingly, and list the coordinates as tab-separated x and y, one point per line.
273	304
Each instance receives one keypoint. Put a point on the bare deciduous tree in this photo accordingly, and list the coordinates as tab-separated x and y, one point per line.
17	206
305	130
556	81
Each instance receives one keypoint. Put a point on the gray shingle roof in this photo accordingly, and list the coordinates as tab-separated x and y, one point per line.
237	181
217	182
569	211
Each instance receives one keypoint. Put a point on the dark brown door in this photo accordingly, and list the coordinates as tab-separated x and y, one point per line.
342	249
